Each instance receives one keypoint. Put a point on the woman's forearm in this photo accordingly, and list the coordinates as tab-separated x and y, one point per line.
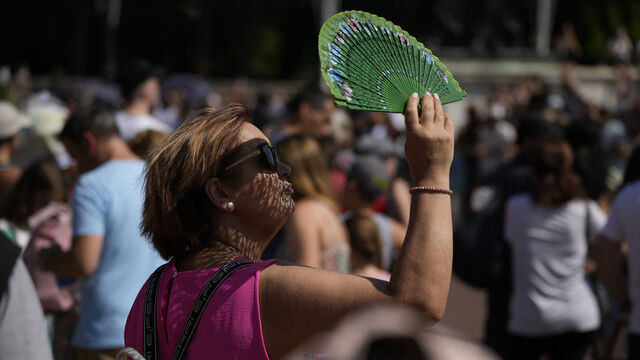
422	274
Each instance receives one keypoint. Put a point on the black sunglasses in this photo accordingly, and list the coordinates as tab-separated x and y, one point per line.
270	154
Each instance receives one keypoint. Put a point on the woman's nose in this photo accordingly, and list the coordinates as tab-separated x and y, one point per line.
284	170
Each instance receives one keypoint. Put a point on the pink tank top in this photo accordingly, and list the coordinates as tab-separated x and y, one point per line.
230	327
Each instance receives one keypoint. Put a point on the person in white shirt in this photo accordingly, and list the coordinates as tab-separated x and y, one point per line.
552	308
620	239
140	85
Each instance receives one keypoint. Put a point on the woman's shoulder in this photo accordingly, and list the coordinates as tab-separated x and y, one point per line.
315	207
307	205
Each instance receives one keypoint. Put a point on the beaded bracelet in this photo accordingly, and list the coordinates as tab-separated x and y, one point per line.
430	190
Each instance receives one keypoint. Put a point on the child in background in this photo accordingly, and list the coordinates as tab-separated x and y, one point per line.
366	252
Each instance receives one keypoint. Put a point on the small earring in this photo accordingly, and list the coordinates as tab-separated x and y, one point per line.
230	205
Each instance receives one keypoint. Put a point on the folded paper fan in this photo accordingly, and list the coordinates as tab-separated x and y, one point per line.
371	64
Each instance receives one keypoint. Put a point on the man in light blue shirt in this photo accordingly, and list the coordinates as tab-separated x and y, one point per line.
108	251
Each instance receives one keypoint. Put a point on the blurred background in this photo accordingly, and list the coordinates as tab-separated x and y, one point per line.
277	39
254	46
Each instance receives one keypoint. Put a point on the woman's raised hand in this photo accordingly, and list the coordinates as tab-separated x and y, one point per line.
313	301
429	144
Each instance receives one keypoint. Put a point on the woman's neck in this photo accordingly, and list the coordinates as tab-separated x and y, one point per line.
230	246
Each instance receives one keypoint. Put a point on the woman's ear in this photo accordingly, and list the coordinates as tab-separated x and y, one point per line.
217	195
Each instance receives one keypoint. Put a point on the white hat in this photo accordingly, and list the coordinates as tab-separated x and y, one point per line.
11	121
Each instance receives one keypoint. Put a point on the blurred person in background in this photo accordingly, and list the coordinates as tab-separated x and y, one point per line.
38	205
223	203
512	178
617	251
585	137
23	330
399	203
140	84
481	254
366	248
466	144
368	180
625	88
381	147
176	108
567	46
261	114
108	252
310	113
620	46
552	309
183	93
12	123
145	141
21	84
495	140
315	235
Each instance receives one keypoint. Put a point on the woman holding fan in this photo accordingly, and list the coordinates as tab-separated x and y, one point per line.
216	193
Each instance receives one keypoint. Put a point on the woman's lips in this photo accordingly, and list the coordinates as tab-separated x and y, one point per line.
289	188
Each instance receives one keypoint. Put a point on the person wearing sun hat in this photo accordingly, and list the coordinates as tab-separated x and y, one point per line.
12	122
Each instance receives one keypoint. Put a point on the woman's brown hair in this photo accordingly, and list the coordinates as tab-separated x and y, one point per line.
555	182
309	168
364	241
177	214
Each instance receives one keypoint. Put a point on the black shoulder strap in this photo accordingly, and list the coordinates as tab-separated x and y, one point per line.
149	338
201	304
194	316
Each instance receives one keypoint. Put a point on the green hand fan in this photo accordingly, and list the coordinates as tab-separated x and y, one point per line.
371	64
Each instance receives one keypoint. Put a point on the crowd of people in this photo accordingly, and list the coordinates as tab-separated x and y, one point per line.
99	187
542	171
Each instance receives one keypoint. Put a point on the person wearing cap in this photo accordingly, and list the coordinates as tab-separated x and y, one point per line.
140	84
367	181
11	124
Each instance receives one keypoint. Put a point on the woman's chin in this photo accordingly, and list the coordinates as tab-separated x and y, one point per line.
290	205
